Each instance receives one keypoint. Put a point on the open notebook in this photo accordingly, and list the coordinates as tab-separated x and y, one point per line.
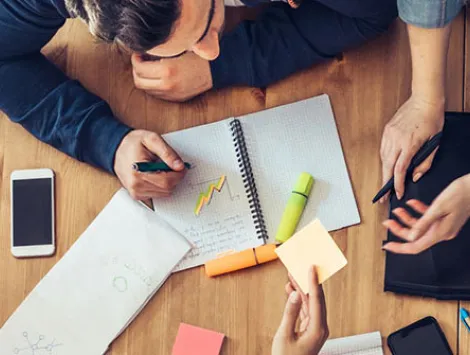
246	167
364	344
91	295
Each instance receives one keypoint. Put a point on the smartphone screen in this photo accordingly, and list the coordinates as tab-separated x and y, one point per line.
32	212
421	338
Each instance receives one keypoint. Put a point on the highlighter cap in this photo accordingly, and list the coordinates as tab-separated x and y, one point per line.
266	253
304	184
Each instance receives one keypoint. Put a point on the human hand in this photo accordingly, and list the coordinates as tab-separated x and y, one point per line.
311	311
138	146
417	121
174	79
439	222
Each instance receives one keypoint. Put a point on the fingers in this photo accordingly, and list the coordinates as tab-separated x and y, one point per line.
423	168
157	145
289	318
154	86
397	229
140	189
151	69
295	287
389	156
156	77
316	305
432	215
408	222
418	206
401	167
415	247
165	181
289	289
404	217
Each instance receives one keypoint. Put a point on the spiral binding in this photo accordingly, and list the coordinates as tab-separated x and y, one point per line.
248	178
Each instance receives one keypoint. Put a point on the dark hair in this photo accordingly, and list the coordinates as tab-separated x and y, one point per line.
138	24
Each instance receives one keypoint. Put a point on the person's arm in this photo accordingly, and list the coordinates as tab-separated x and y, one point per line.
61	112
422	115
284	40
309	311
37	95
280	42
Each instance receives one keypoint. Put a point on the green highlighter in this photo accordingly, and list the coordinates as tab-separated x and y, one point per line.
295	207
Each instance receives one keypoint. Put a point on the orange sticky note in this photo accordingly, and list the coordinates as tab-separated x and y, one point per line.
193	340
312	245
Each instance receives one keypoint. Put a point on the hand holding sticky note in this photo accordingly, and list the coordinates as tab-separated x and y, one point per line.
312	245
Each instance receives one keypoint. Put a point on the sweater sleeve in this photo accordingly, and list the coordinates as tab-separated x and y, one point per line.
285	40
36	94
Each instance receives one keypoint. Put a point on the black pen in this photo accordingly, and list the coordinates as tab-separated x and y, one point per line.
421	156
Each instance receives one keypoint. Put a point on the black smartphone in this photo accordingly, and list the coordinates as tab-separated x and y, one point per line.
423	337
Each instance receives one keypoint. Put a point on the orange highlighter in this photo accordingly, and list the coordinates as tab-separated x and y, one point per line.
241	260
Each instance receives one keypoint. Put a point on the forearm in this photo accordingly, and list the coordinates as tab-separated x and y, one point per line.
59	111
285	40
37	95
429	49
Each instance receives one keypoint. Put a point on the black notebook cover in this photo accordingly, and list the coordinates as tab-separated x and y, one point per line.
443	271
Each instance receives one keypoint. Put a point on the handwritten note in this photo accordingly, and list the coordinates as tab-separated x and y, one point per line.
214	238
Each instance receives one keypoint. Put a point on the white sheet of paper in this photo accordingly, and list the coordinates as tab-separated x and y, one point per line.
364	344
99	286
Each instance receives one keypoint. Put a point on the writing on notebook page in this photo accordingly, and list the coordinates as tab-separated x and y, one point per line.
41	346
217	236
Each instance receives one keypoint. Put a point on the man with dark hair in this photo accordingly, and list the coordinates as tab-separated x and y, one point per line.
178	54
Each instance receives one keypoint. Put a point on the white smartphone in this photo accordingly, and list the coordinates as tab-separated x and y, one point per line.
32	213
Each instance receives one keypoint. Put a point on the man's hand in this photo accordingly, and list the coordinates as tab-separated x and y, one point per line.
140	146
439	222
413	125
176	79
311	311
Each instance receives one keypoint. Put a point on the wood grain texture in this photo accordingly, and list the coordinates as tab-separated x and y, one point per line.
366	87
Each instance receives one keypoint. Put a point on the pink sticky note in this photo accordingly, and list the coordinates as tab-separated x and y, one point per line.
193	340
312	245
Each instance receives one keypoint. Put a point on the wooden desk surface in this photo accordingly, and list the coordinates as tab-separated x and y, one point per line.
366	87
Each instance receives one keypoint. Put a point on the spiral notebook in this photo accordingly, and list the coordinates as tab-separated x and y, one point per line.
243	171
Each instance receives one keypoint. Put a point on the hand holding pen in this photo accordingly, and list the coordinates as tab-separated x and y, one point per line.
414	124
146	146
426	151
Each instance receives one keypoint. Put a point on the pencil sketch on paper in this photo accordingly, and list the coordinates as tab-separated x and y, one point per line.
120	283
36	348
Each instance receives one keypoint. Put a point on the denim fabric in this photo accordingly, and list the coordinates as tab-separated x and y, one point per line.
429	13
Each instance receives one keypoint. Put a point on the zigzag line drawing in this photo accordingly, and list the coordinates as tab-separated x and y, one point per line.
205	198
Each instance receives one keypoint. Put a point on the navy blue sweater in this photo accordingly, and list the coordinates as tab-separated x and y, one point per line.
62	113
